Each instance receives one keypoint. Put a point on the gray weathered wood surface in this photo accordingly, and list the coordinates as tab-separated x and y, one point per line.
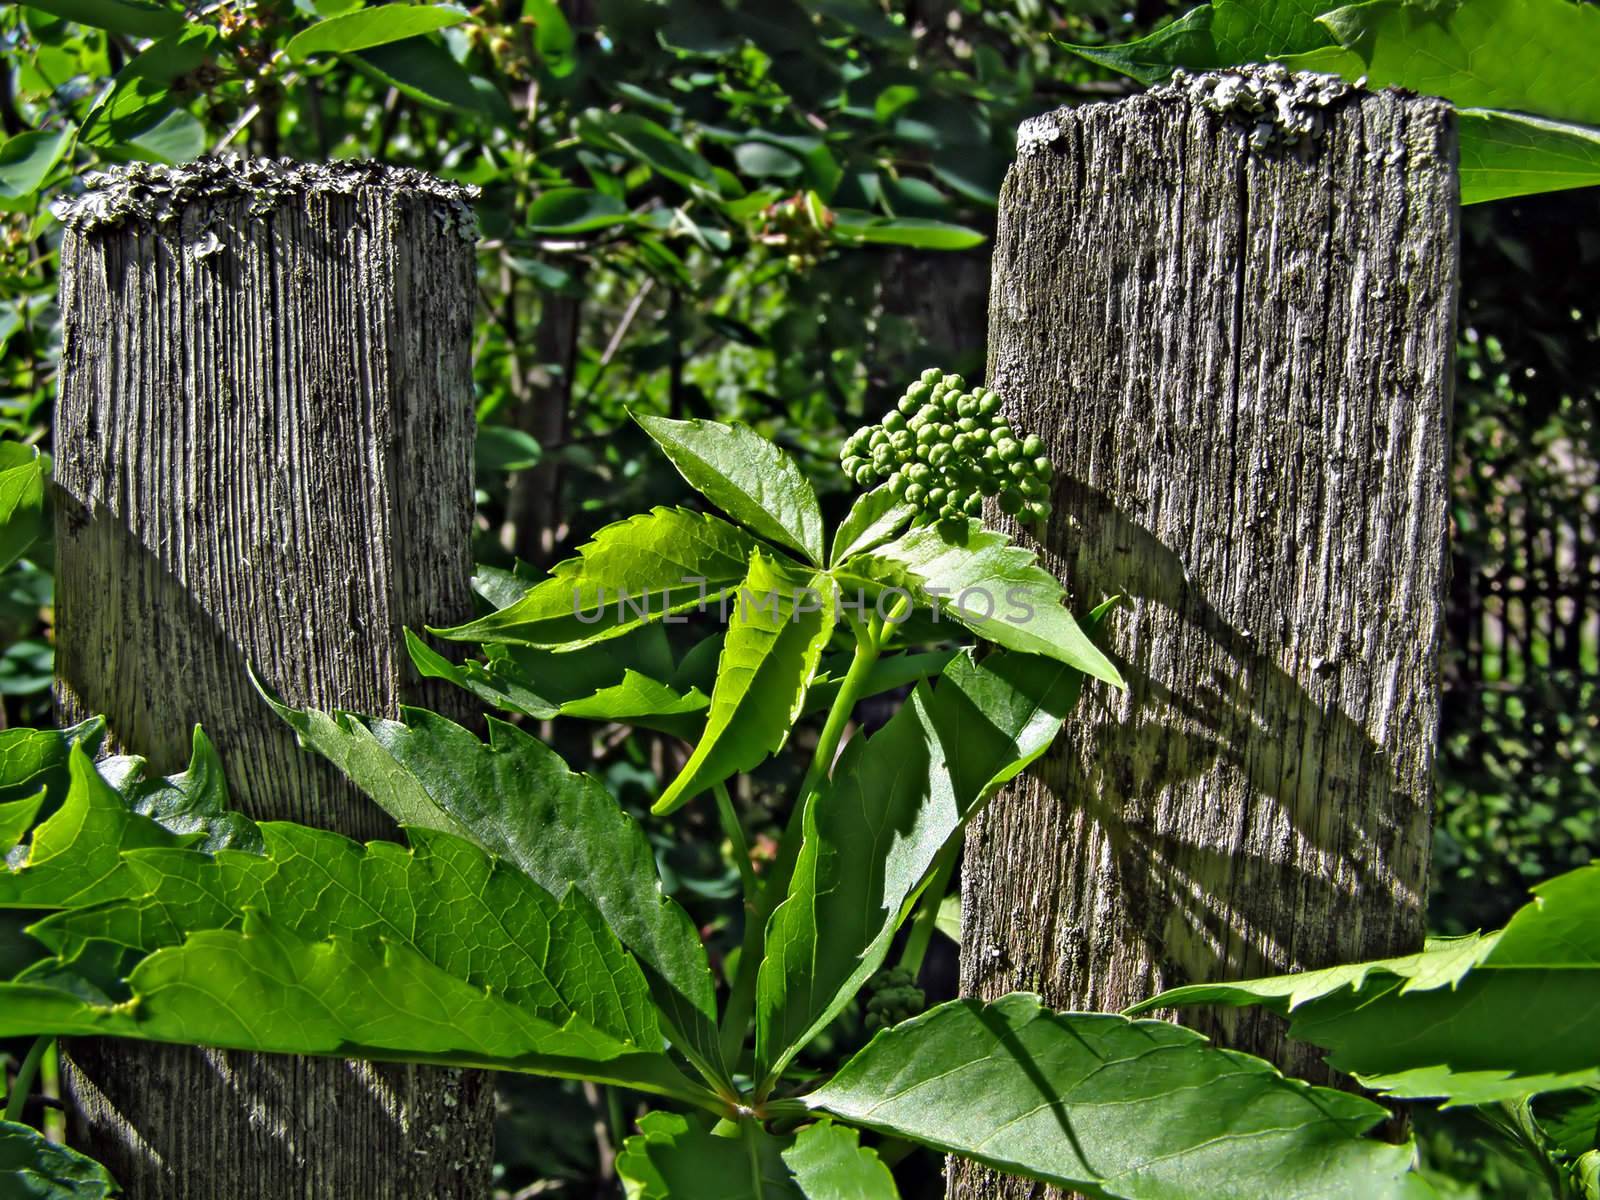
1237	343
263	461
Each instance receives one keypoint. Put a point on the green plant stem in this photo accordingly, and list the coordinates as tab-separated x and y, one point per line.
741	1001
23	1085
734	832
927	918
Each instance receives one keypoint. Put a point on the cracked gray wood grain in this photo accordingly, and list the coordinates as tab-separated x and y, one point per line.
1239	349
263	460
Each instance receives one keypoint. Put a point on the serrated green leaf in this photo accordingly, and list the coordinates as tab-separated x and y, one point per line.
639	700
672	1157
873	519
1186	42
369	27
132	18
348	743
258	987
31	759
21	493
1474	1021
872	834
1510	154
746	476
983	581
830	1163
1442	963
780	623
514	797
669	560
575	210
194	801
1138	1110
75	856
17	817
35	1168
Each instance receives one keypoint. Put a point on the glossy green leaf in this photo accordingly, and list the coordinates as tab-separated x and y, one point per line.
131	18
1509	154
830	1163
35	1168
993	587
32	760
575	210
1542	60
639	700
673	1157
643	140
746	476
779	625
142	91
1099	1104
26	161
75	856
553	37
17	817
1441	963
192	802
873	519
424	70
369	27
514	797
918	232
873	832
1224	34
1474	1020
258	987
501	448
639	570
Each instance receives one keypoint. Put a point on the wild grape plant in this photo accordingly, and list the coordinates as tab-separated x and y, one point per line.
524	927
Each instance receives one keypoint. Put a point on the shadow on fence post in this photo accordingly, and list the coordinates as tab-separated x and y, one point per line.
1228	305
263	461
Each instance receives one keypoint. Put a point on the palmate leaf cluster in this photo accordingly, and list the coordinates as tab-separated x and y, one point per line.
523	927
1520	72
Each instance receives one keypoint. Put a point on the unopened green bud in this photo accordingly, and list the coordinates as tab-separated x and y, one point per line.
988	405
1033	445
936	497
902	440
931	376
973	506
894	422
1011	502
897	483
1045	468
915	493
966	424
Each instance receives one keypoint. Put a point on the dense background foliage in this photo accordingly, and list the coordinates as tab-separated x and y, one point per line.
777	213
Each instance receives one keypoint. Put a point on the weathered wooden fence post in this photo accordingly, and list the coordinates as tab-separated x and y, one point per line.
1229	307
264	461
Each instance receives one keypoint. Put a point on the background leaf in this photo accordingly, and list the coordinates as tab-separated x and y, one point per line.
369	27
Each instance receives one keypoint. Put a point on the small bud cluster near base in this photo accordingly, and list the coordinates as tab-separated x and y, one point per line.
893	997
944	448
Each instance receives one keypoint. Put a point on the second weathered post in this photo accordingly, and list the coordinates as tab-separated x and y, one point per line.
1229	306
264	463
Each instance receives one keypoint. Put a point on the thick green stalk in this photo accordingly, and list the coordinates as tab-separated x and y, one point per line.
24	1080
741	1002
734	832
927	917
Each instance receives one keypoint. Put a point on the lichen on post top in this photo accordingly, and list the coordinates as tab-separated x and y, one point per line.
157	195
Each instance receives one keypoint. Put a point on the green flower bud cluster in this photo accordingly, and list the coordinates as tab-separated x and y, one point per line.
943	449
895	997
